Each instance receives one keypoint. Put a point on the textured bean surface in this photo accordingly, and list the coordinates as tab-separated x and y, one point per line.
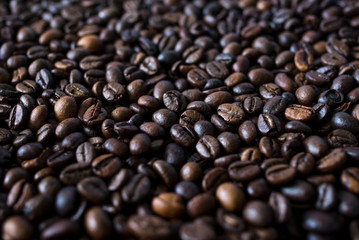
183	120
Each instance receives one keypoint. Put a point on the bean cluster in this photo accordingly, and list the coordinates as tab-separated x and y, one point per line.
188	120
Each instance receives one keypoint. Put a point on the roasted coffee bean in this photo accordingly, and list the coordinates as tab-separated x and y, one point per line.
93	189
230	197
150	122
269	125
281	207
149	227
208	147
252	105
299	113
231	113
183	135
18	117
243	170
38	207
349	179
327	198
299	192
258	213
200	205
333	161
106	165
137	189
20	192
168	205
280	174
213	179
275	106
17	227
321	222
303	162
174	101
348	204
260	76
73	173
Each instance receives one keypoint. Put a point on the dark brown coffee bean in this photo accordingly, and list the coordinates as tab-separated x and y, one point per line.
299	113
230	197
208	147
321	222
243	170
213	179
200	205
281	207
280	174
269	125
106	165
231	113
349	179
304	60
140	144
174	101
327	198
137	189
20	192
149	227
38	207
333	161
303	162
166	172
168	205
333	59
260	76
17	227
93	189
252	105
258	213
197	78
73	173
217	69
18	117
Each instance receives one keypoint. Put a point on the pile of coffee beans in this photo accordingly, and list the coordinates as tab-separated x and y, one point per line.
179	119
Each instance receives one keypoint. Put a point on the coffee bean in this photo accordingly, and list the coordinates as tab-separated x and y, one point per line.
299	113
347	204
299	192
73	173
258	213
137	189
200	205
349	179
168	205
97	223
321	222
260	76
197	78
231	113
17	227
230	197
280	174
281	207
269	125
326	199
65	108
208	147
333	161
303	162
93	189
197	229
183	135
149	227
243	170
